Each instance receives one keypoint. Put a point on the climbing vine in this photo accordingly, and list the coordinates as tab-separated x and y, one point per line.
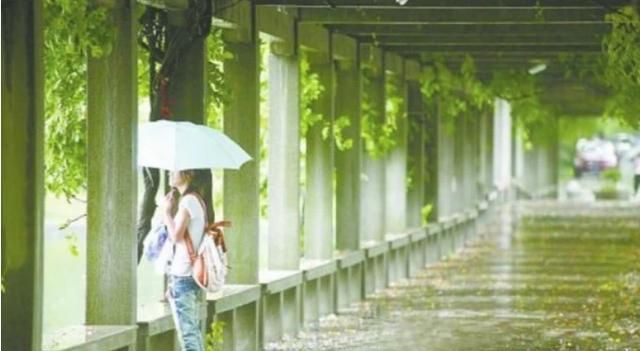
73	32
454	93
378	132
311	91
622	66
218	93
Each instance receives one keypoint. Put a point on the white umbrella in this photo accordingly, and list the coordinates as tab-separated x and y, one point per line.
178	146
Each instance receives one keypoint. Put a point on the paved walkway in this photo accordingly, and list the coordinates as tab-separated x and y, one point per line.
544	287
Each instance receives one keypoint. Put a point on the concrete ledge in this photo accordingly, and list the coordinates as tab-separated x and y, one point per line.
376	249
314	269
433	229
460	218
397	241
419	235
155	318
276	281
232	297
90	338
349	259
483	206
448	223
473	214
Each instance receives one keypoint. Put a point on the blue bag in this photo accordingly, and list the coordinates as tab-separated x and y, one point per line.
157	239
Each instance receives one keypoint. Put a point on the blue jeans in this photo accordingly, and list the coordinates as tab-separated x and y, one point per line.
184	298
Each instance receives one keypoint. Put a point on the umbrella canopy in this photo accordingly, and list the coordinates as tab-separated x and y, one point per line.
177	146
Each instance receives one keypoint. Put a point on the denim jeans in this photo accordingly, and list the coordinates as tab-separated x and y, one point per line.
184	298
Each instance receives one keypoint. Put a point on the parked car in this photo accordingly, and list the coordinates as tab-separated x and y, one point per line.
594	155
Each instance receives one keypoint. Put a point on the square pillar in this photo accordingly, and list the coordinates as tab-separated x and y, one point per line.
112	176
396	166
318	223
241	187
415	156
284	162
22	174
348	165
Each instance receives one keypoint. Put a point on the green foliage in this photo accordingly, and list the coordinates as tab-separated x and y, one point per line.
378	132
454	93
337	129
612	175
426	212
311	90
215	336
72	244
622	66
218	94
73	32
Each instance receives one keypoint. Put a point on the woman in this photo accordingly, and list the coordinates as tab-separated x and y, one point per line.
183	293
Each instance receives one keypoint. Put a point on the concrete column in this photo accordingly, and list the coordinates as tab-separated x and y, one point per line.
483	127
372	215
447	182
284	162
22	174
502	144
431	162
318	224
396	170
348	161
415	156
112	176
489	154
241	188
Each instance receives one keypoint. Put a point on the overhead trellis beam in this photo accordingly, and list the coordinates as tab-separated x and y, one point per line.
385	4
446	15
468	28
500	55
532	49
559	39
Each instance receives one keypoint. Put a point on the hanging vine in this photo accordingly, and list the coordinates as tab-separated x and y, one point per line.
622	66
73	32
311	91
378	132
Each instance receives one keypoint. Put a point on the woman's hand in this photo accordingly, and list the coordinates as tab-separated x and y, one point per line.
169	204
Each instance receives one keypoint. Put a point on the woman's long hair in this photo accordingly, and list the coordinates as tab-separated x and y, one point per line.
201	184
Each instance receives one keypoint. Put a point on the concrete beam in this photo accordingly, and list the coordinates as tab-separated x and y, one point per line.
343	47
393	63
281	26
435	4
112	176
22	174
445	15
241	15
314	37
481	38
469	48
538	28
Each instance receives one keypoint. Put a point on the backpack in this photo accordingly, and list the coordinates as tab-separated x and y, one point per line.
210	262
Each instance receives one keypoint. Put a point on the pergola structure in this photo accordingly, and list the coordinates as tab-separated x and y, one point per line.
379	235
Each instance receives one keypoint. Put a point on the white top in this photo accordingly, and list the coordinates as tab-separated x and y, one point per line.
181	263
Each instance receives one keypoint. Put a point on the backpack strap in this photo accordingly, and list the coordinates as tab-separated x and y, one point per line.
187	237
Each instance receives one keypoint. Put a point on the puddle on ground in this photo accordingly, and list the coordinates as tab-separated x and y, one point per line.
542	288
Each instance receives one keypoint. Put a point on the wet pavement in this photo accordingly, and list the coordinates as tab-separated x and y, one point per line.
546	287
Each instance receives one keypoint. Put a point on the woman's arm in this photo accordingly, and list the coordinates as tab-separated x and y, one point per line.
176	226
